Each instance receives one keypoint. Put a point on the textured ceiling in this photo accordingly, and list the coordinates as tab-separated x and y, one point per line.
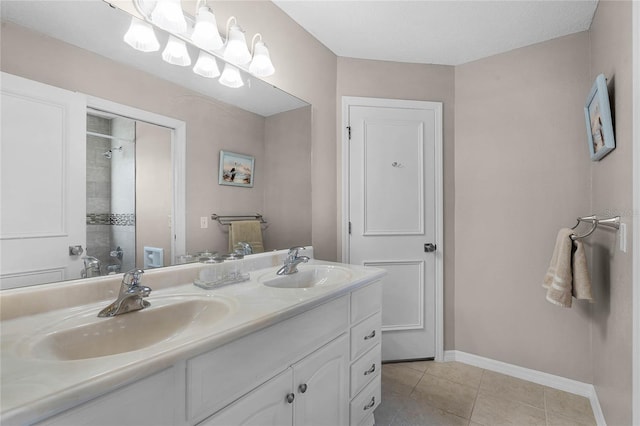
449	32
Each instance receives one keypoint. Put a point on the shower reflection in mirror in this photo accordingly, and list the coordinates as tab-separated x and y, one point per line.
113	172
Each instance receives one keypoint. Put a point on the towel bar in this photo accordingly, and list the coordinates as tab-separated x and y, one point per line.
612	222
226	220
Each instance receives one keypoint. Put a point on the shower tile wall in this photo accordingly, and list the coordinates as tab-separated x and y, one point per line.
98	188
111	192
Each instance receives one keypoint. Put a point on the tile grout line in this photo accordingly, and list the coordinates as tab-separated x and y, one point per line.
473	407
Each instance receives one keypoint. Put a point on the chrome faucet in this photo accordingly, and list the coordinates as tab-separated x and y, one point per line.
91	268
130	297
292	261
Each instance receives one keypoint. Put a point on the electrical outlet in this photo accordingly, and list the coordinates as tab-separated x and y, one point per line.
204	223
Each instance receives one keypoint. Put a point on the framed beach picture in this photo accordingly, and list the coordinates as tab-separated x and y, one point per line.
597	114
236	169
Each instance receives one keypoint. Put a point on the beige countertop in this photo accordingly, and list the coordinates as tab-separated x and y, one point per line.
35	384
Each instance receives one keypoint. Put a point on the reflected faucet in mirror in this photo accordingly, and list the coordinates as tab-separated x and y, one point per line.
130	297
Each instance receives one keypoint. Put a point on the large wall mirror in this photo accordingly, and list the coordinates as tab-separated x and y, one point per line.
148	166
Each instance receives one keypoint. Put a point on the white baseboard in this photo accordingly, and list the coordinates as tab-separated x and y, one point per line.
539	377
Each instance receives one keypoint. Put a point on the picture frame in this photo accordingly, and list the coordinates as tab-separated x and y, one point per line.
236	169
597	114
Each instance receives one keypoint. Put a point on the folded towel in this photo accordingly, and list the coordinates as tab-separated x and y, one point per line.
248	231
567	275
581	288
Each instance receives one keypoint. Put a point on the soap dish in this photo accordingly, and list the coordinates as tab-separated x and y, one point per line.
207	285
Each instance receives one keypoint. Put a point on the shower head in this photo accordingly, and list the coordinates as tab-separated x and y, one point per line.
109	154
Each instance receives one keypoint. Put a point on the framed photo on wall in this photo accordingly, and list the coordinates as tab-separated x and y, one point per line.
236	169
597	113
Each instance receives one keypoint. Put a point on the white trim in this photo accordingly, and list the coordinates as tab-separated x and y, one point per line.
178	158
348	101
556	382
635	401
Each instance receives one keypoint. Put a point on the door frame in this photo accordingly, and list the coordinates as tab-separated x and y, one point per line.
349	101
636	215
178	160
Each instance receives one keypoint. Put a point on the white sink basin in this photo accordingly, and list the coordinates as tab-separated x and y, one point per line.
86	336
308	276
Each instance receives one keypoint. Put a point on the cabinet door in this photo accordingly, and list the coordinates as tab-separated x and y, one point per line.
321	386
267	405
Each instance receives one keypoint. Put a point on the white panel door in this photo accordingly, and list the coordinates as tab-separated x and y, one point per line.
43	148
392	214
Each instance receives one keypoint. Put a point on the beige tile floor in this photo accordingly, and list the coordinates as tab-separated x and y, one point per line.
452	393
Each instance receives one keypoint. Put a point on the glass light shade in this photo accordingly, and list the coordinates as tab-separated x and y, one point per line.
141	37
206	66
261	63
236	50
205	33
176	52
231	77
168	15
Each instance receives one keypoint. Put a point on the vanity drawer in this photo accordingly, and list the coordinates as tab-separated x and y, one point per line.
365	335
365	369
368	400
366	301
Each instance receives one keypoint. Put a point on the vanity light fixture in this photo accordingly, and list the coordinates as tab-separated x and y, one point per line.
141	36
206	65
205	31
168	15
231	77
236	50
261	65
176	52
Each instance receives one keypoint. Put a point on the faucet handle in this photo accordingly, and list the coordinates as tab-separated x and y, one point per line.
133	277
293	251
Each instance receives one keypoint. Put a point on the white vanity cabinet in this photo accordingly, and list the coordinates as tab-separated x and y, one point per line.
317	367
311	392
366	365
150	401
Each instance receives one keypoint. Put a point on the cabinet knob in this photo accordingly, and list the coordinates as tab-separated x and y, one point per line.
371	370
371	403
302	388
370	336
290	398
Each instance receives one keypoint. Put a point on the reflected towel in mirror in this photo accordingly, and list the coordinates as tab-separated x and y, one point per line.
248	231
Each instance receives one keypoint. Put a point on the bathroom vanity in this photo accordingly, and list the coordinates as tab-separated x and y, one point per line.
298	349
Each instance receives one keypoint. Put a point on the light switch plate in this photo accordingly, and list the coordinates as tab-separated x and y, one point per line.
622	237
204	223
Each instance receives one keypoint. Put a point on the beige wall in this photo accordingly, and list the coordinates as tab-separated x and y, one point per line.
380	79
612	195
306	69
521	173
287	199
154	189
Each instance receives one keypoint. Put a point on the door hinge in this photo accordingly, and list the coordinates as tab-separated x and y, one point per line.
349	228
349	131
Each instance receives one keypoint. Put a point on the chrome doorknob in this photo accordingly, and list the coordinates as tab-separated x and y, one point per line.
75	250
429	248
290	398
